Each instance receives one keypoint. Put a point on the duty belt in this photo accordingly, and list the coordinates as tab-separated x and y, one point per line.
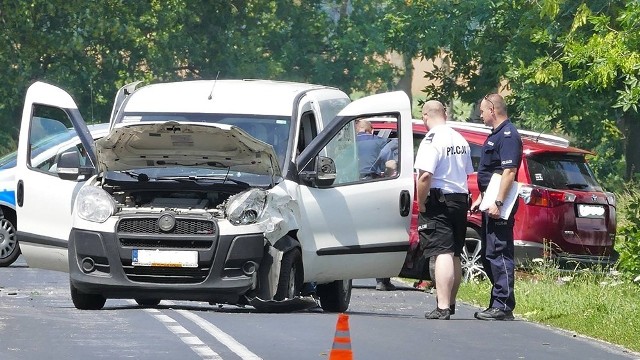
457	197
441	197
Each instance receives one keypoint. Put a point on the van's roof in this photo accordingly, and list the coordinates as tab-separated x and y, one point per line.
261	97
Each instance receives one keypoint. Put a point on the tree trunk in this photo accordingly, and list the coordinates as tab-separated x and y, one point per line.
406	80
632	150
344	8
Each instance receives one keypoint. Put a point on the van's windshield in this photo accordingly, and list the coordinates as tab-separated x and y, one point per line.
273	130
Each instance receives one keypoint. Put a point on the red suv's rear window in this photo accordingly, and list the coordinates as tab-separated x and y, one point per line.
561	172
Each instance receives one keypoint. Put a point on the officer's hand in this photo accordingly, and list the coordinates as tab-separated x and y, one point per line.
493	211
475	207
422	208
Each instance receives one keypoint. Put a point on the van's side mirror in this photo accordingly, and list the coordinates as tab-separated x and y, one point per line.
323	173
68	166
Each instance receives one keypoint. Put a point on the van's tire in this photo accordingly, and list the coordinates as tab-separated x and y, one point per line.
291	275
84	301
148	302
9	248
471	259
335	296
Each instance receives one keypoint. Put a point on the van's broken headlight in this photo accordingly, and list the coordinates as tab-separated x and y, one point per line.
94	204
246	207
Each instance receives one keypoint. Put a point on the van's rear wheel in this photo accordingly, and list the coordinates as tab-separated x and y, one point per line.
85	301
471	259
335	296
291	275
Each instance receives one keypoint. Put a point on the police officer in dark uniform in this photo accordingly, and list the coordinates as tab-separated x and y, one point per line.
501	154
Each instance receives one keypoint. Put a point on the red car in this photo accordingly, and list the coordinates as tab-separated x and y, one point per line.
563	213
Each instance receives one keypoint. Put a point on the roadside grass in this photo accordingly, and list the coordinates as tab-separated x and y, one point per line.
597	305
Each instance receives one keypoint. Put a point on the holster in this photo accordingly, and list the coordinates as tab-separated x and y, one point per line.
436	195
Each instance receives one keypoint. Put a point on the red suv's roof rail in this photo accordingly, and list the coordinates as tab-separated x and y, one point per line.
531	135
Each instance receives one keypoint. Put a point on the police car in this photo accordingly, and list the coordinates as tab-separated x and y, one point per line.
229	191
44	153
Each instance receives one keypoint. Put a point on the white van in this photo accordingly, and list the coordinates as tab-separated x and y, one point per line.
227	191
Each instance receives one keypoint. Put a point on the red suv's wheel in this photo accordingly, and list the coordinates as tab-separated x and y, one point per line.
470	258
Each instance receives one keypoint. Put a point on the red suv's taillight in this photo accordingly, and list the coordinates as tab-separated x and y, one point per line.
540	196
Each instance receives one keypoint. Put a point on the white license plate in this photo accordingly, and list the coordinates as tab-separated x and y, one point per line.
592	211
164	258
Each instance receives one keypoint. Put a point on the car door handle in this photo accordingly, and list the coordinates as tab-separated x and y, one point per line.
405	203
20	193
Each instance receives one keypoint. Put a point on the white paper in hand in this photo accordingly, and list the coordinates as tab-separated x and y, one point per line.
491	194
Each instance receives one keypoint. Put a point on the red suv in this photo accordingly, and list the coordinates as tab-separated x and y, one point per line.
563	212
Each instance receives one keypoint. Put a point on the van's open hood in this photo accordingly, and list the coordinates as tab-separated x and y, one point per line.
153	144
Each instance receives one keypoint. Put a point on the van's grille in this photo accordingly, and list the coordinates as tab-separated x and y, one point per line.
189	233
169	275
165	243
182	227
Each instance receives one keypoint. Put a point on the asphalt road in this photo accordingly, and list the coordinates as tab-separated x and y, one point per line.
39	322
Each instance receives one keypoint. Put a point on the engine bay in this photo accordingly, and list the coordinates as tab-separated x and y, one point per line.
166	195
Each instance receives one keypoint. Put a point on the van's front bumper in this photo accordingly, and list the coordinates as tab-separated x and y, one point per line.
227	265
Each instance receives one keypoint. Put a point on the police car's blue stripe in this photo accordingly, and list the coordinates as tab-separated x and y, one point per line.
8	197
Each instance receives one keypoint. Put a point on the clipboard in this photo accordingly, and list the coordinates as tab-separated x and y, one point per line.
491	194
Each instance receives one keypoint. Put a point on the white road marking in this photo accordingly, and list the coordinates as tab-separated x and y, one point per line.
194	342
221	336
199	347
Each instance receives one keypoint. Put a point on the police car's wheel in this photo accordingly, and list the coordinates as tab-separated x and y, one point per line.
9	249
470	258
84	301
148	302
291	275
335	296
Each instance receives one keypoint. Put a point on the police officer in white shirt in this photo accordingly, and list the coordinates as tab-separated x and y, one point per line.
443	163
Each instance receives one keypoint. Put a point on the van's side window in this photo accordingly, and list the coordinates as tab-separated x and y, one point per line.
361	155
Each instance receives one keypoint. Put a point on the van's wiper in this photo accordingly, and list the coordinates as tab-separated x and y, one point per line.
196	178
139	176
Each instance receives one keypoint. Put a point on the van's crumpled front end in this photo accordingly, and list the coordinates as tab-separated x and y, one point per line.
185	226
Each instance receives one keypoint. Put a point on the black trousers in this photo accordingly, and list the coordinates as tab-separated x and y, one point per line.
498	259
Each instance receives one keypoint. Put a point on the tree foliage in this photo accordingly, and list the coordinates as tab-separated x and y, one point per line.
93	48
568	66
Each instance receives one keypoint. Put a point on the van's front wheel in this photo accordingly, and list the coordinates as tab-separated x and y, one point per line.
291	275
148	302
84	301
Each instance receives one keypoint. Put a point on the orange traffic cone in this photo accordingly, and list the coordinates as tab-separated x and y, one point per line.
341	349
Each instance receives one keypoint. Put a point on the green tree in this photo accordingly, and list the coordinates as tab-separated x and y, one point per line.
92	48
568	67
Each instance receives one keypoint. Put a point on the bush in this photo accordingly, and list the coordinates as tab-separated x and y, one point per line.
628	233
